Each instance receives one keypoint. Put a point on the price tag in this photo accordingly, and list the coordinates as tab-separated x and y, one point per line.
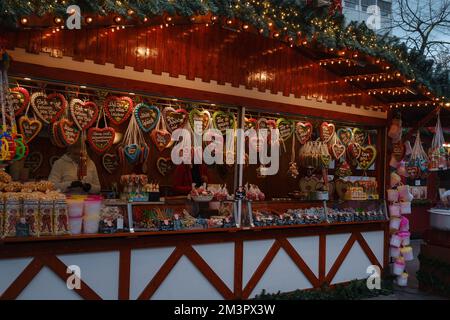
417	183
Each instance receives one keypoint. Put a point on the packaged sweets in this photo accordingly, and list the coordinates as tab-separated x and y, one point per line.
45	218
61	218
12	216
31	215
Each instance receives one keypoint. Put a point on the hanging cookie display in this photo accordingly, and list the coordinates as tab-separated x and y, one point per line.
55	136
146	116
164	165
175	118
337	149
285	127
67	132
199	120
250	123
418	163
367	157
101	139
303	131
327	131
110	162
343	169
161	137
293	168
345	135
223	121
133	148
48	108
19	99
30	128
84	113
359	136
118	109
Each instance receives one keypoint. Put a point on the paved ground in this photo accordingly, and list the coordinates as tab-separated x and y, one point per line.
412	291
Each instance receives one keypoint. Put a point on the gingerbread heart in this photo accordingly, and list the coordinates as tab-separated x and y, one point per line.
303	131
83	113
354	150
147	116
285	128
164	165
199	120
359	136
110	162
118	109
132	152
34	161
223	120
413	172
345	135
367	157
101	139
30	128
68	134
175	119
54	134
342	187
162	139
327	131
338	150
308	184
398	150
19	98
250	123
48	107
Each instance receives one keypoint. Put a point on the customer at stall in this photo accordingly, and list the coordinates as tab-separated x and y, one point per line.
64	173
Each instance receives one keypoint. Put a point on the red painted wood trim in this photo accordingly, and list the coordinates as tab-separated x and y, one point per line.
261	269
162	273
58	267
322	257
23	280
340	259
124	274
367	250
297	259
208	273
238	268
387	239
127	85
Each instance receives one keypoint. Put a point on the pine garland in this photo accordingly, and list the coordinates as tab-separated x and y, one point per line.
434	274
354	290
293	18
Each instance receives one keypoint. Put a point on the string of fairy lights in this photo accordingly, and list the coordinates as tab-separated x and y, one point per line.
285	21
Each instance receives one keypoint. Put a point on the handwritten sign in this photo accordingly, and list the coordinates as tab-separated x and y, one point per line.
118	109
30	128
83	113
101	139
48	107
147	116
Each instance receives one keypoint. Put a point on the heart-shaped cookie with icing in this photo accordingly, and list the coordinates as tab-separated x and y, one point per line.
118	109
84	113
30	128
174	118
48	108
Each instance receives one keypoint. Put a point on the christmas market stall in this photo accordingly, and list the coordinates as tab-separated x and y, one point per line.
286	106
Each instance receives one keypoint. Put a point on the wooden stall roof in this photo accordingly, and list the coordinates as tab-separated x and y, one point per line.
228	54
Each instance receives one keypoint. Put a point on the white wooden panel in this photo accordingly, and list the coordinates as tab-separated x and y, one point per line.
375	240
10	270
281	275
335	244
354	266
220	257
145	263
185	282
99	270
308	249
254	252
46	285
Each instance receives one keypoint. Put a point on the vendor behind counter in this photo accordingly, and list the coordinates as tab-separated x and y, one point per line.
64	173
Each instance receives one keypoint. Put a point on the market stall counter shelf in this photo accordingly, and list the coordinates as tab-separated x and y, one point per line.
176	214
